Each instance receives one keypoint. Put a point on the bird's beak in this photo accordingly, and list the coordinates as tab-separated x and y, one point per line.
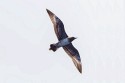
75	37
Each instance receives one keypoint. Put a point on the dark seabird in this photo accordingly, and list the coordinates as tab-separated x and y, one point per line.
64	41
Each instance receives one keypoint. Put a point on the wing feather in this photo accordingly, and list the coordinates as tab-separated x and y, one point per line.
61	34
74	54
58	26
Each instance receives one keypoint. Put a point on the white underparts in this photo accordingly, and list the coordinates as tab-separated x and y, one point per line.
63	42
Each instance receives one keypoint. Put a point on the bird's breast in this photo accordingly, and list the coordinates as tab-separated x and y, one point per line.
63	42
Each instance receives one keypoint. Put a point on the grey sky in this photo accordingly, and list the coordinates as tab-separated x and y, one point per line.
26	32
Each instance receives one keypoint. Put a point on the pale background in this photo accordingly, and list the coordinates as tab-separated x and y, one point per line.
26	33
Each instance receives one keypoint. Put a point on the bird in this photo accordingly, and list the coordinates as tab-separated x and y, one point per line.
64	41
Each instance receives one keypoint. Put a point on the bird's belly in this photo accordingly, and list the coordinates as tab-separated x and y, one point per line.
63	42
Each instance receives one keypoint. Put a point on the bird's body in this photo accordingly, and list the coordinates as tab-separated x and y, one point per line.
64	41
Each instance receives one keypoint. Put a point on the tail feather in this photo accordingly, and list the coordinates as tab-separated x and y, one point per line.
53	47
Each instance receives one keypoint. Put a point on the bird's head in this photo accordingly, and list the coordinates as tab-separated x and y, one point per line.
72	38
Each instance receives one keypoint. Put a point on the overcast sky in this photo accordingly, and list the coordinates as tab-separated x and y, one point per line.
26	32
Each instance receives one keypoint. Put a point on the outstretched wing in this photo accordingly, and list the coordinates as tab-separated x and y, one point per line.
58	26
74	54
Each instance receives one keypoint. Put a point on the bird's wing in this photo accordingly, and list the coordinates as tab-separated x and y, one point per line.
58	26
74	54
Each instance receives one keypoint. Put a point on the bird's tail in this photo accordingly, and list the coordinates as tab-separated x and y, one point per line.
53	47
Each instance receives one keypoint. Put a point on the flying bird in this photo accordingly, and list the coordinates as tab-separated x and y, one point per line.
64	41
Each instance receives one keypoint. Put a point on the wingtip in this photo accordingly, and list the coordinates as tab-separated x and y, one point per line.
78	64
49	12
79	67
80	70
51	15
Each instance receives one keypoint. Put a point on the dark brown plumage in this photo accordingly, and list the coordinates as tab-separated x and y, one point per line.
61	34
